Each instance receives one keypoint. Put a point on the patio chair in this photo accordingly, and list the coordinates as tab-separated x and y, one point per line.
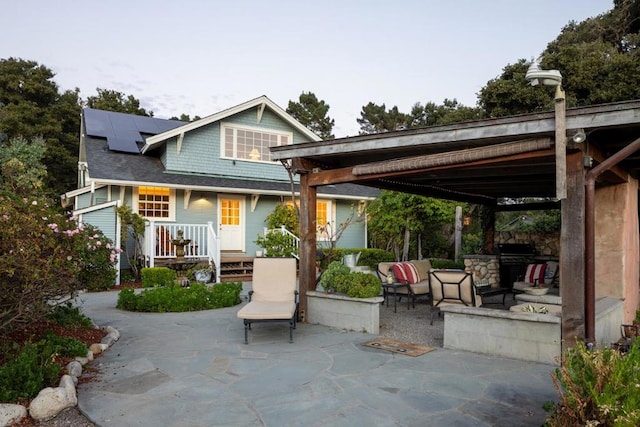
543	274
274	297
452	287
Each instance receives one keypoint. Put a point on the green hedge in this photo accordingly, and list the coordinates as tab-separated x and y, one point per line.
157	276
174	298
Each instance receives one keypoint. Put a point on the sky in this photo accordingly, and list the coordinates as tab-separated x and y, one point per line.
199	57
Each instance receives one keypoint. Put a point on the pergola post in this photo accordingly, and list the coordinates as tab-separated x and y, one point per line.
307	272
572	262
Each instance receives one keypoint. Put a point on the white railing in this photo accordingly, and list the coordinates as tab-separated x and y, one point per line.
283	230
204	243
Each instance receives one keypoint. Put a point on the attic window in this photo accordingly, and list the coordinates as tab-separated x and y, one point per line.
245	143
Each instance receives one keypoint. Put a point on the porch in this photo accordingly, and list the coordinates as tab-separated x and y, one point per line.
204	246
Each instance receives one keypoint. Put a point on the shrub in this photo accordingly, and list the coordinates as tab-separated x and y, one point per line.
331	276
277	244
339	278
97	256
157	276
598	387
177	299
362	285
68	316
33	368
45	256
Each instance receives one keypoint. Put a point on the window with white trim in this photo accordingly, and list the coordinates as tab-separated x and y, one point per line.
246	143
156	202
325	226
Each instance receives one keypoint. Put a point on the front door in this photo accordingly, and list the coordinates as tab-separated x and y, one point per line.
231	223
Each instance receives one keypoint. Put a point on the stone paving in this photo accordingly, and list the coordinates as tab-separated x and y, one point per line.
193	369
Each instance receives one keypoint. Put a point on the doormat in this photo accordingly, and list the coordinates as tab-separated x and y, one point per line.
399	347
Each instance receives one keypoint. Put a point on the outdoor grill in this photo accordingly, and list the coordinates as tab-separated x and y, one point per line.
513	258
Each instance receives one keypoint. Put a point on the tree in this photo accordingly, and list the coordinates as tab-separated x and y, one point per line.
376	118
312	113
598	58
112	100
450	111
185	118
396	217
511	94
31	106
21	168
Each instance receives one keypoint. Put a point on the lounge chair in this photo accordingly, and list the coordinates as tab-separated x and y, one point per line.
274	297
452	287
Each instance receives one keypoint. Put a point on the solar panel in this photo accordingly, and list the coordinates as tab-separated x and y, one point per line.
123	131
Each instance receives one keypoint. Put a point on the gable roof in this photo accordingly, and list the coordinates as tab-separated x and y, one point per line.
262	102
110	165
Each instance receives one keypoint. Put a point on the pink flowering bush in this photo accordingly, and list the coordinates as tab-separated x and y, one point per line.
46	258
97	255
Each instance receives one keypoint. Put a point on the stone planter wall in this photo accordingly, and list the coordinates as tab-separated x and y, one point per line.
343	312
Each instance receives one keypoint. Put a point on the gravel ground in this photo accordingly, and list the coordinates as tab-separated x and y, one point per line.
413	325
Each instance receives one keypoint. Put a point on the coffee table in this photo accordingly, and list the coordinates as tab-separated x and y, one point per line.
386	287
488	291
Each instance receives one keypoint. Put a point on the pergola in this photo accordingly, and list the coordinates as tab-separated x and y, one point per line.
483	161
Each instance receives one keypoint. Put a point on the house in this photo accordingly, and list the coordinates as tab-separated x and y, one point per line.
213	179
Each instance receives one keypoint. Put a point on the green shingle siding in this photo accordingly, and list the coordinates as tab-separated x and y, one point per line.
201	152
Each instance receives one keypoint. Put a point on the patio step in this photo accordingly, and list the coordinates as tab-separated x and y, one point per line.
236	268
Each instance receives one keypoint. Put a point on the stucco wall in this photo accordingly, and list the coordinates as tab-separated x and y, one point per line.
616	240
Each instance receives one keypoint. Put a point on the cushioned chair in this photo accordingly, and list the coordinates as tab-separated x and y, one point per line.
414	273
452	287
542	274
274	297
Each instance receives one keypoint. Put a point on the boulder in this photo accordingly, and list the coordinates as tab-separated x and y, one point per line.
74	368
11	413
51	400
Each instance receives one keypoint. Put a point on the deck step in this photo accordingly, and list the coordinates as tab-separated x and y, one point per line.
236	268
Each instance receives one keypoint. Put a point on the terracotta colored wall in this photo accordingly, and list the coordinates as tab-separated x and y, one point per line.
617	245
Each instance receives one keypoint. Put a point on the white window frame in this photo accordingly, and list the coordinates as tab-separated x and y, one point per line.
236	127
331	219
172	203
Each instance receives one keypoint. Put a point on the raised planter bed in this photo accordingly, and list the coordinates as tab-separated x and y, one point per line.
341	311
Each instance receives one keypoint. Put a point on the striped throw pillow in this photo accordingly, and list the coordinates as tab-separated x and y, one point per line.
535	273
406	272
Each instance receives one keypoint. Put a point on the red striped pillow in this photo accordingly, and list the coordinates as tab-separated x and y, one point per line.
411	272
398	271
535	273
406	272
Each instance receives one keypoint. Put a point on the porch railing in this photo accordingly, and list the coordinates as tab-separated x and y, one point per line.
205	244
294	238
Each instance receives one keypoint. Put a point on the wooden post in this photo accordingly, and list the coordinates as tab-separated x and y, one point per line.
458	232
561	144
572	261
307	278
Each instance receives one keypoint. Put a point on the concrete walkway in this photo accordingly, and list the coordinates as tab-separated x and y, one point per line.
193	369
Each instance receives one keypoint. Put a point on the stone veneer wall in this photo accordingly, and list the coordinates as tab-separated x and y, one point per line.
487	267
484	268
546	244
